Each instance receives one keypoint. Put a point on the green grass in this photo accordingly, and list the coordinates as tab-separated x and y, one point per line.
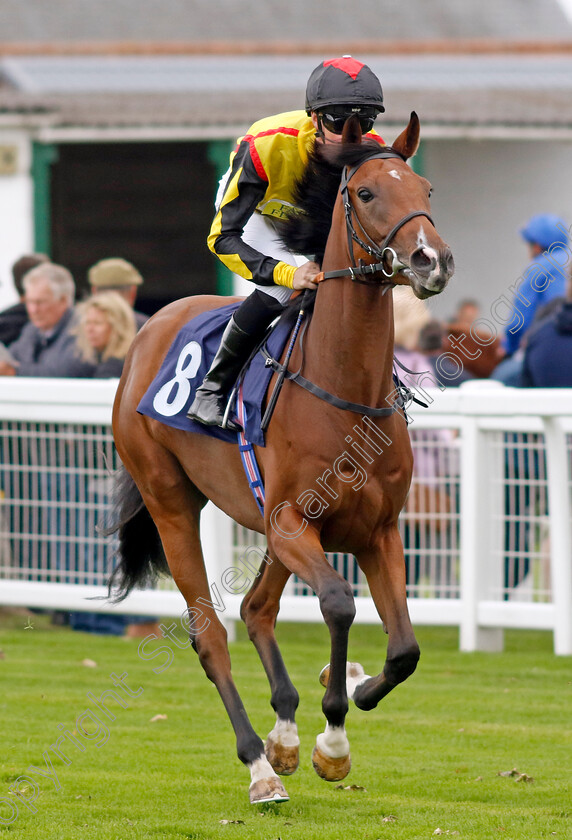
427	758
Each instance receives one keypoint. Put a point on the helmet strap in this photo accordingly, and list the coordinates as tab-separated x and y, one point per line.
320	131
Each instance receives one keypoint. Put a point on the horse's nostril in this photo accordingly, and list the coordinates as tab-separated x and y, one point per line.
422	261
447	262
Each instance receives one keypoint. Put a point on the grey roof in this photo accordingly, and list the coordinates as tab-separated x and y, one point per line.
215	74
218	93
272	21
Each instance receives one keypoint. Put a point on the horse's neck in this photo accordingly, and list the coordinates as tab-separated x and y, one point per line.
349	347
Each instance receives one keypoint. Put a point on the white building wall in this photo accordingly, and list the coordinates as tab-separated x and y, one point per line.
16	212
484	192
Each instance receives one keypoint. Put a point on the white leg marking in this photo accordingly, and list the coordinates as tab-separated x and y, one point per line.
265	786
261	769
355	675
333	742
285	733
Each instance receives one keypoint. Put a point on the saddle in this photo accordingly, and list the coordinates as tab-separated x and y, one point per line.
187	361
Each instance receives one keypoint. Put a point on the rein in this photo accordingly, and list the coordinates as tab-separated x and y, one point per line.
377	252
402	399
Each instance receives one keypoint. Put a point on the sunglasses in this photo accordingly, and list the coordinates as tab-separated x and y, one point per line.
336	123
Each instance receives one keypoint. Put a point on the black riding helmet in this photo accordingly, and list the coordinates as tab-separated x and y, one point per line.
343	81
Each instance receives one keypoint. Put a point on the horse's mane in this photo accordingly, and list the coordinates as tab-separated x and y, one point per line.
306	229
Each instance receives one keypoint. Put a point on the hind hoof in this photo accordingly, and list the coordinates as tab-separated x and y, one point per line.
354	675
330	769
284	760
268	790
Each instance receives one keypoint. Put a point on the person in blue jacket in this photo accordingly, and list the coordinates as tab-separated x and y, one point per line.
543	279
548	353
542	283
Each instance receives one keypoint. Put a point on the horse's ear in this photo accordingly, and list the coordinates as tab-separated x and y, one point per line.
408	141
352	130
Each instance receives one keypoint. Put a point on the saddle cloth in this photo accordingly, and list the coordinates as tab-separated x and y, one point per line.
172	391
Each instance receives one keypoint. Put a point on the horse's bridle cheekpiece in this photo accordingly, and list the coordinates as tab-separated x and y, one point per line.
363	270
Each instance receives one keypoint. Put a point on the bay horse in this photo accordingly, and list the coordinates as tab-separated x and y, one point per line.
169	474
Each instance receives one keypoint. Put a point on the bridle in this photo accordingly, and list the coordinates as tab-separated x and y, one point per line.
364	270
403	395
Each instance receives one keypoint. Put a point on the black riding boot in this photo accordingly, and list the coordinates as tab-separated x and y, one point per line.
243	332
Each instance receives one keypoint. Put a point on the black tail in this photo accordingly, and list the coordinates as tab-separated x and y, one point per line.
140	551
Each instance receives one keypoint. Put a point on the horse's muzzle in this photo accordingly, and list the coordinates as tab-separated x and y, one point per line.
430	270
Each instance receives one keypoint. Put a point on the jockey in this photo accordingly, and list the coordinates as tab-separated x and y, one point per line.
258	188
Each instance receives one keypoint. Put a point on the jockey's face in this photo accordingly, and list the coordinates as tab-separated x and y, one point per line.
329	126
323	135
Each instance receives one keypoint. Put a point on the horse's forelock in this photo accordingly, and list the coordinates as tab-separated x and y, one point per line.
339	155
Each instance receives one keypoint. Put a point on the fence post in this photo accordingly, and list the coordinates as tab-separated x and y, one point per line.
557	458
475	561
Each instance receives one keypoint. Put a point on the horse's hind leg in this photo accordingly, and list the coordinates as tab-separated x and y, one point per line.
259	611
175	506
384	568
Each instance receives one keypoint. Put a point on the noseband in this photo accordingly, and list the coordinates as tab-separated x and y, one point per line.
370	247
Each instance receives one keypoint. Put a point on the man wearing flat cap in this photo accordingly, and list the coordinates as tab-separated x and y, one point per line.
117	275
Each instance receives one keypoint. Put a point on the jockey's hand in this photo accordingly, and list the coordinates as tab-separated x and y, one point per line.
305	276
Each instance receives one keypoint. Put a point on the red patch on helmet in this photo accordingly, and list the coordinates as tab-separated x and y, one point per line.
349	65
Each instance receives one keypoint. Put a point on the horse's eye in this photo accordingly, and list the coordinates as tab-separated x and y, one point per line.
364	195
430	192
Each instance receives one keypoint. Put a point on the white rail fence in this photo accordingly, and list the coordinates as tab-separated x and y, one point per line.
486	530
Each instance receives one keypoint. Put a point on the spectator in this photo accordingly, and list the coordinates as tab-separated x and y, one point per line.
117	275
431	338
104	333
548	354
468	310
14	319
476	349
447	365
46	346
544	278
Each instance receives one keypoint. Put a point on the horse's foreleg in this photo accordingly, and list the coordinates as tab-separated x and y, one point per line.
304	556
384	567
259	610
180	537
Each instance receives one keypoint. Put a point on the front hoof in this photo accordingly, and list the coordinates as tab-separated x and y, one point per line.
330	769
284	760
267	790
